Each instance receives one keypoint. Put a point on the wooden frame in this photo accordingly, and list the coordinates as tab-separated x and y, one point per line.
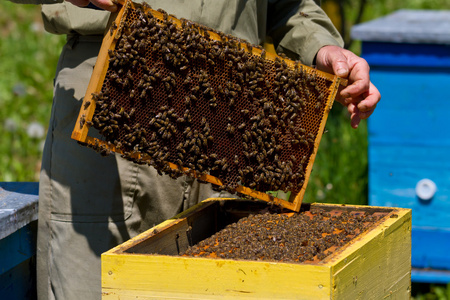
80	132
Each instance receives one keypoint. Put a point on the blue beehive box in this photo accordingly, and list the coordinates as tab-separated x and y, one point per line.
409	133
18	232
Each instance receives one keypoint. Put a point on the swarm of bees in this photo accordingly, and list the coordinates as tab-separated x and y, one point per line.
178	92
306	236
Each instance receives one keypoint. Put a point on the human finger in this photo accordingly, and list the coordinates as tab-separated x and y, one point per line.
332	59
355	117
370	101
366	114
80	3
108	5
359	79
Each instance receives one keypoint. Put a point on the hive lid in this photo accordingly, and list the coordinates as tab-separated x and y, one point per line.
18	206
407	26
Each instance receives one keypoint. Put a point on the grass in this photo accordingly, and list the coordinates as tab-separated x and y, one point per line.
29	56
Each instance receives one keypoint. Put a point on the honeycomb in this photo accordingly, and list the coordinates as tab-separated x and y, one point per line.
187	99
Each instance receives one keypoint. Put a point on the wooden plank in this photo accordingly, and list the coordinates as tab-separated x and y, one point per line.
87	110
430	247
403	154
398	55
430	275
184	231
378	264
18	247
408	88
171	241
329	104
18	206
20	281
138	243
165	277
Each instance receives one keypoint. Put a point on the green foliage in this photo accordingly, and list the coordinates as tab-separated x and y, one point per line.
383	7
423	291
28	61
339	174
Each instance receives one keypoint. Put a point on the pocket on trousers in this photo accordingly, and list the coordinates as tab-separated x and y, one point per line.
93	188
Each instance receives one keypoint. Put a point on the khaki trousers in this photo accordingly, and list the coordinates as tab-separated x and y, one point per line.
89	203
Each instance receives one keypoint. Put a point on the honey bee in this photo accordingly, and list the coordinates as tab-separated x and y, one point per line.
113	27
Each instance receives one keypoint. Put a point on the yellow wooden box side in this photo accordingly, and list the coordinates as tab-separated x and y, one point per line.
168	277
378	266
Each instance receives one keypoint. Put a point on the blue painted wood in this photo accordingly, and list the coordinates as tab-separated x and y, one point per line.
19	283
18	247
409	133
430	276
414	108
408	141
18	264
18	233
18	205
394	185
406	55
430	248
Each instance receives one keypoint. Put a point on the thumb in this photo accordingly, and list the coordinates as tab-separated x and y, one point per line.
340	68
339	63
333	59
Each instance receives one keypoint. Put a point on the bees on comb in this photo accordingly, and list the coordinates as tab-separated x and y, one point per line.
178	92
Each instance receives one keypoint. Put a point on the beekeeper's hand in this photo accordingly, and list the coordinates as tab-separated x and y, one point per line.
103	4
360	96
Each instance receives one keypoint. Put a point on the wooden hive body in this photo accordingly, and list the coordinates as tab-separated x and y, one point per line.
374	265
410	71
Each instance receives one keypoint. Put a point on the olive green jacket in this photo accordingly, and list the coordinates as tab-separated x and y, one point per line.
298	28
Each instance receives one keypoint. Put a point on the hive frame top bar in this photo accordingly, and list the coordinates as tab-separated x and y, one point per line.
88	108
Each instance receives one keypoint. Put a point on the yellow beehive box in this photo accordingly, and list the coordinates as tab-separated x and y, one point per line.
374	265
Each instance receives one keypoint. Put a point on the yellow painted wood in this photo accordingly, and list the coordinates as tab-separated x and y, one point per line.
211	278
296	204
376	265
268	45
385	256
80	132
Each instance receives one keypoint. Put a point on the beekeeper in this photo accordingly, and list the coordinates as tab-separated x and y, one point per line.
89	204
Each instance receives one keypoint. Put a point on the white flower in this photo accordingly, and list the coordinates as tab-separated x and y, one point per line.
10	125
329	186
37	27
320	195
19	89
35	130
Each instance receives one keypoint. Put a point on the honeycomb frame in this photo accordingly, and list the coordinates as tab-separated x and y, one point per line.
223	111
